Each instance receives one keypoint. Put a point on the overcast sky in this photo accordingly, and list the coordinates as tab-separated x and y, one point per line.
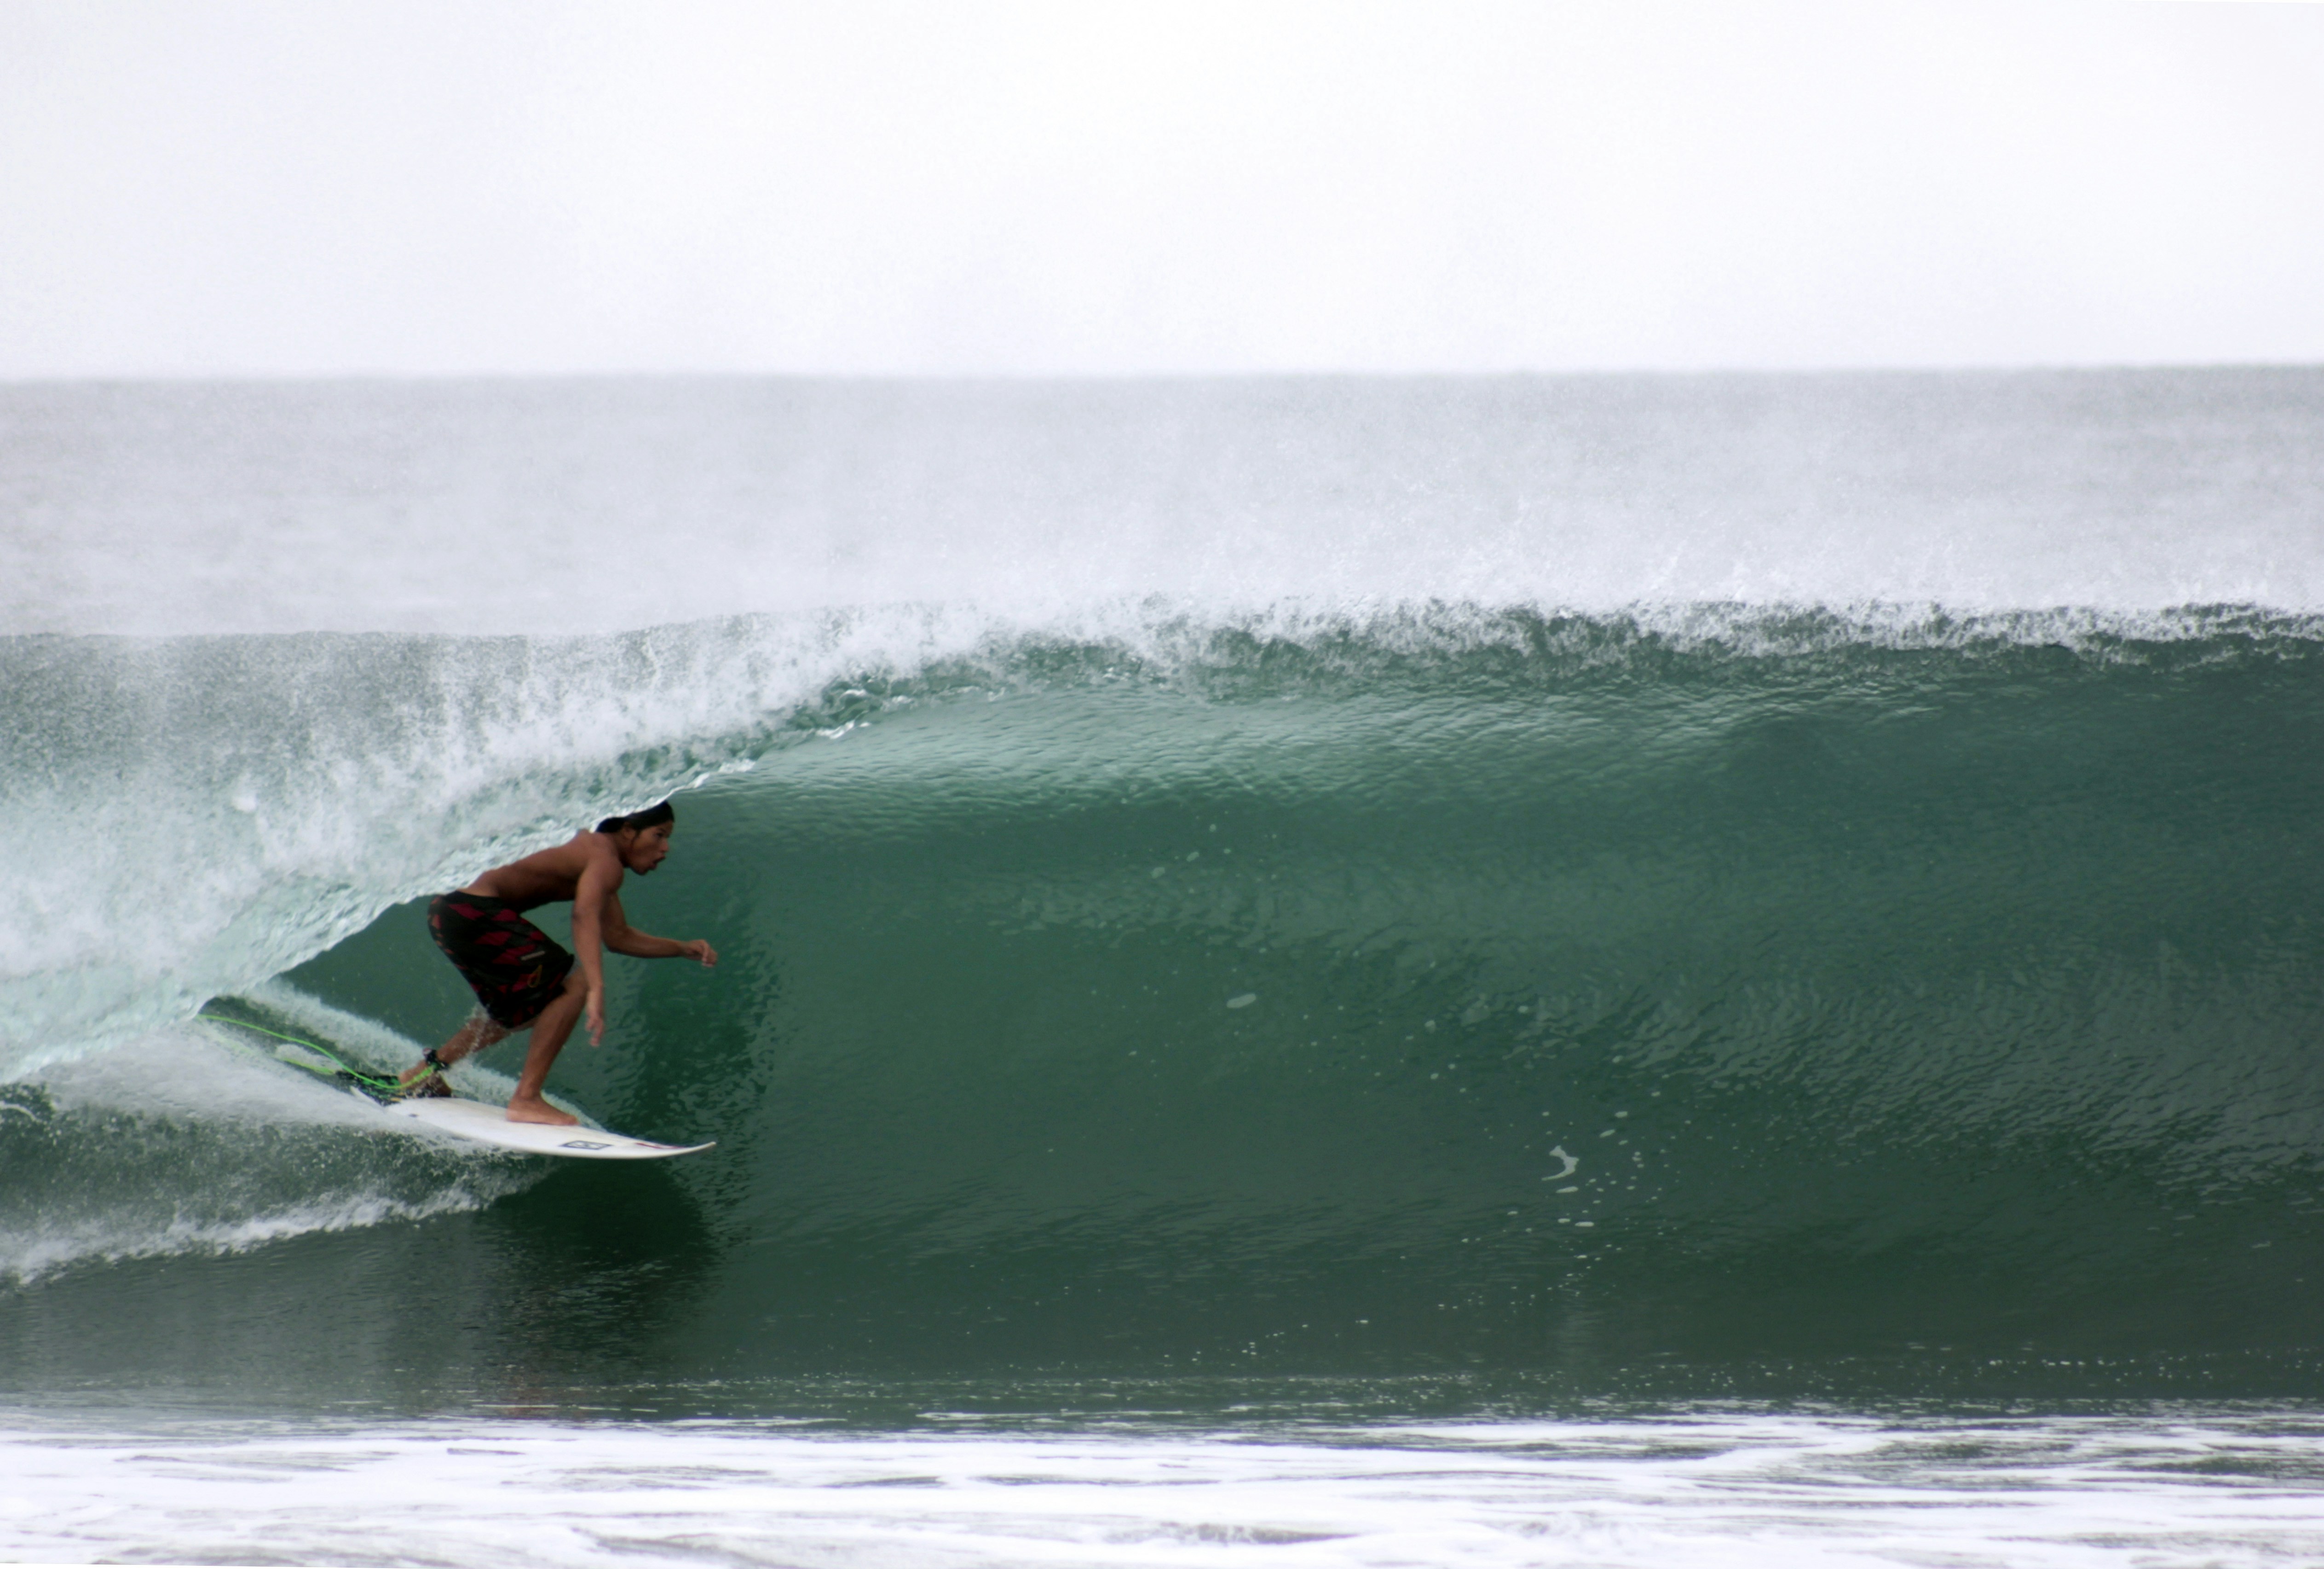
411	187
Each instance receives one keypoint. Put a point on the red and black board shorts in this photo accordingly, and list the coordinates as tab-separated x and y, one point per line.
515	968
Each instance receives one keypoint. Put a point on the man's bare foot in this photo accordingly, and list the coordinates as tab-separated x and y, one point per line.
535	1109
424	1081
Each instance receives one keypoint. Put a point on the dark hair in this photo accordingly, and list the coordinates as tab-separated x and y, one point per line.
660	812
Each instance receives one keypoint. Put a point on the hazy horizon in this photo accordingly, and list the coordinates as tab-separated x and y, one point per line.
1026	377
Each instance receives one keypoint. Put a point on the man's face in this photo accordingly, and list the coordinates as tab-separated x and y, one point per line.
642	849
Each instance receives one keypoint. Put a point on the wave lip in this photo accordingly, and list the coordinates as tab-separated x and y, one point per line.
225	808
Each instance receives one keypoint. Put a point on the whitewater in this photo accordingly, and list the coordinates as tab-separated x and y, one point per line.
1658	969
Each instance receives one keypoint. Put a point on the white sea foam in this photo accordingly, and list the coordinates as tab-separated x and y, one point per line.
185	1140
1674	1493
126	1233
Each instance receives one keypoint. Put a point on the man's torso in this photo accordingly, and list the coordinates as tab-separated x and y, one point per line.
544	878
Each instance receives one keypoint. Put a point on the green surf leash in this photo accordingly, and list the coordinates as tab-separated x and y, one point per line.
369	1081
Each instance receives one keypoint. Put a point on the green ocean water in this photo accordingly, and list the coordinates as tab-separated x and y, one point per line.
1263	901
1469	1005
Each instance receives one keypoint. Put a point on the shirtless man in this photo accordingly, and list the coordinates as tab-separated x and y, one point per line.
519	974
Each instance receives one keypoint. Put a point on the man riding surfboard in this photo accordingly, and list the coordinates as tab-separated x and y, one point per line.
522	978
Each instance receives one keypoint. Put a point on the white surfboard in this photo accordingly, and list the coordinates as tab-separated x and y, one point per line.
488	1124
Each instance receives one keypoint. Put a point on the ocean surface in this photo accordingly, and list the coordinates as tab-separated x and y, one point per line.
1519	970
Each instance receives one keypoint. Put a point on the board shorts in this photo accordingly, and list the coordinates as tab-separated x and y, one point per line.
515	968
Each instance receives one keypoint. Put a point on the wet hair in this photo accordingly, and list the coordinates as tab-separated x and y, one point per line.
660	812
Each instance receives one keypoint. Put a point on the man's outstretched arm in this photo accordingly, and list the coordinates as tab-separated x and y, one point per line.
624	939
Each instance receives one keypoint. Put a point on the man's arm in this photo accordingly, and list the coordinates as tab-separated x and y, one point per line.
624	939
593	901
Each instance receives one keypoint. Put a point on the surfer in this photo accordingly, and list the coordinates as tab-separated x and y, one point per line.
521	978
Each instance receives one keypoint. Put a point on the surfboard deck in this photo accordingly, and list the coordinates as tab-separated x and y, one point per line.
485	1123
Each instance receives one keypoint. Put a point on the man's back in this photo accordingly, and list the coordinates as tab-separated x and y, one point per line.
550	874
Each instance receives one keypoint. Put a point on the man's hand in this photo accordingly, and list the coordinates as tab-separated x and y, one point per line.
597	1016
702	950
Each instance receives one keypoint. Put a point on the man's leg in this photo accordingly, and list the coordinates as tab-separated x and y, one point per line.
549	1033
471	1037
